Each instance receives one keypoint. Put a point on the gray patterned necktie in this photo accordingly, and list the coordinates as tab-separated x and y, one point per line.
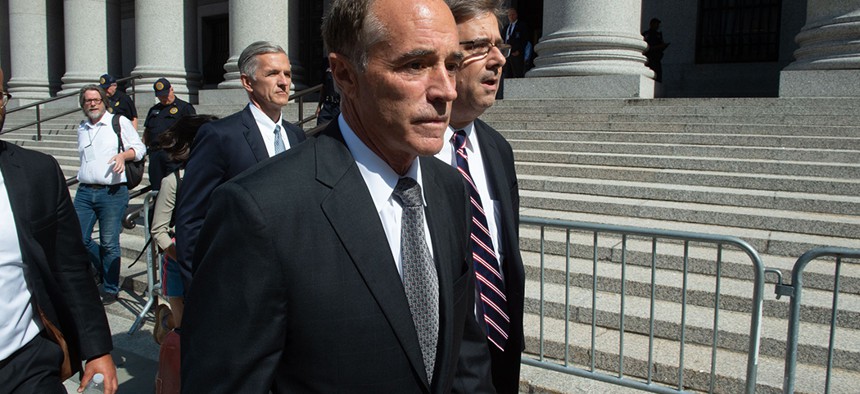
279	142
419	272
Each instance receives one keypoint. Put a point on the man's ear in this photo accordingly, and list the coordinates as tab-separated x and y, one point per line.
246	82
344	74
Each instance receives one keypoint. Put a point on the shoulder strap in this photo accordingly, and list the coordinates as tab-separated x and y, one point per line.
173	212
117	130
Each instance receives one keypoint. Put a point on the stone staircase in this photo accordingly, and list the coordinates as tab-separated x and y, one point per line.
783	175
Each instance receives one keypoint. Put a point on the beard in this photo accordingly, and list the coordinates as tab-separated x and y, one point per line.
94	114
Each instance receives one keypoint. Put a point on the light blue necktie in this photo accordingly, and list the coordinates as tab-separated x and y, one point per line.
279	142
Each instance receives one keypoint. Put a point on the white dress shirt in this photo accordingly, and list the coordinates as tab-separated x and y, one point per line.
17	325
381	180
267	129
479	176
97	143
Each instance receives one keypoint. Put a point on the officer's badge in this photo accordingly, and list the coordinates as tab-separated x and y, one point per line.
116	104
159	86
174	110
102	80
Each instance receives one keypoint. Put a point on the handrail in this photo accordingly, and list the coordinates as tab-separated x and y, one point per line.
300	96
794	291
718	241
38	104
132	214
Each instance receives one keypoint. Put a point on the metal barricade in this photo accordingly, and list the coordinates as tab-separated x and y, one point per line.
794	291
606	240
153	284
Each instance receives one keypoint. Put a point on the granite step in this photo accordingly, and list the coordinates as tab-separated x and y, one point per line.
733	328
718	164
768	219
736	263
739	129
735	294
701	150
730	370
750	198
765	242
726	139
724	179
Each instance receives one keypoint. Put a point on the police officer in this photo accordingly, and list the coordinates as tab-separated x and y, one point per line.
328	107
160	117
118	102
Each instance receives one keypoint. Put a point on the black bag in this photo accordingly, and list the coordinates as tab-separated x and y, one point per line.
134	169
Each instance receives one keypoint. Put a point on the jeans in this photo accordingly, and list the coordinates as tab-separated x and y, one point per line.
107	205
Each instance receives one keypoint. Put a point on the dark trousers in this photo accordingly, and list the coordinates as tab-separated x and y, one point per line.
33	369
515	67
505	368
160	166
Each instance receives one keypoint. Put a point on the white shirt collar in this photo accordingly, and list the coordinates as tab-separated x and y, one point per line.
263	119
377	174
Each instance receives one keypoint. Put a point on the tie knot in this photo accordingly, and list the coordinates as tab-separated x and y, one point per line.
459	139
409	192
277	129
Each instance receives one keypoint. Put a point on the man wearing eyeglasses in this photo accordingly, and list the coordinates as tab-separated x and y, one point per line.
45	280
102	194
485	160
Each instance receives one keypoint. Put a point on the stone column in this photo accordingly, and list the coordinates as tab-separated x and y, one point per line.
83	33
250	21
295	50
590	48
828	58
160	44
28	44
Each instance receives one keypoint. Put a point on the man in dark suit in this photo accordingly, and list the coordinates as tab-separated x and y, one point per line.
324	270
485	159
45	279
226	147
516	34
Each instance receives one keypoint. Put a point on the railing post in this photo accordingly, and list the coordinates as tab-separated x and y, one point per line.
794	291
38	123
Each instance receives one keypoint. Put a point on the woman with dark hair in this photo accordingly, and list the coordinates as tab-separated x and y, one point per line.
176	142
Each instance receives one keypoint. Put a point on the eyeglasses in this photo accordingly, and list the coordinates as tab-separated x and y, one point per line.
93	101
6	98
480	48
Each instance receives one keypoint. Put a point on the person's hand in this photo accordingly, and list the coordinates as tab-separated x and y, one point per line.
171	251
118	162
105	366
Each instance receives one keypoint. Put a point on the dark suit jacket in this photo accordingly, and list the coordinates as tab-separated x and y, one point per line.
221	150
518	38
57	264
297	290
498	160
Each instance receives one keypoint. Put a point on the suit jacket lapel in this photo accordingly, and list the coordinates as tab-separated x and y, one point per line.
19	199
252	135
495	175
349	204
17	191
289	130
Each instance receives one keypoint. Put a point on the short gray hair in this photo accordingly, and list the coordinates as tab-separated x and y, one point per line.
91	87
248	59
464	10
350	29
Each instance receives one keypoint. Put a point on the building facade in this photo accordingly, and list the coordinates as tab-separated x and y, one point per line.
584	48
